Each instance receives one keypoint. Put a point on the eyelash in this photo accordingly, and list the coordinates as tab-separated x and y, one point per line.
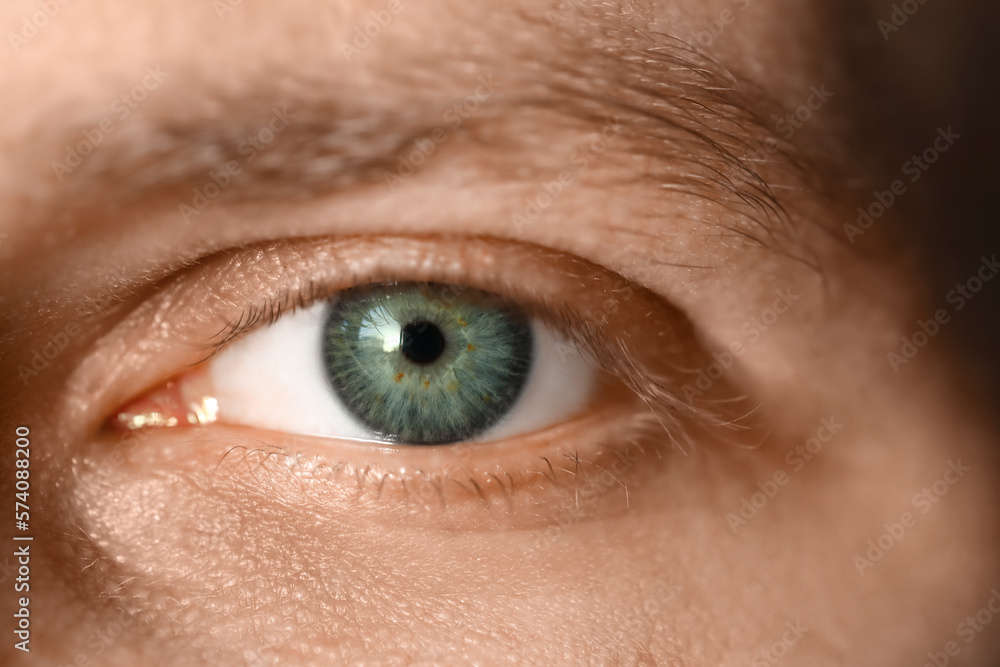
674	414
264	314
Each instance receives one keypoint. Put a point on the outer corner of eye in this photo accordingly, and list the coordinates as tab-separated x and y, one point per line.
394	364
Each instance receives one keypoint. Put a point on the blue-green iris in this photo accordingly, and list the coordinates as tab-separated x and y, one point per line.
426	363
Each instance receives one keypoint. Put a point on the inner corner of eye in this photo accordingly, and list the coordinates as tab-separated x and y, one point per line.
403	363
186	400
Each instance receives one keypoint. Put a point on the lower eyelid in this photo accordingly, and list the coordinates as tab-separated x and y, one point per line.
587	467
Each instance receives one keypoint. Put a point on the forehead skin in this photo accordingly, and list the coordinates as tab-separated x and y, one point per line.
455	597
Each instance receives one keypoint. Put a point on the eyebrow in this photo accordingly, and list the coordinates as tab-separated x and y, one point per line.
700	126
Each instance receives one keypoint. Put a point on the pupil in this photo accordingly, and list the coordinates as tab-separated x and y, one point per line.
421	342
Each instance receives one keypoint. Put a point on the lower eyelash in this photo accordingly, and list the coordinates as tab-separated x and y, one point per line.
571	480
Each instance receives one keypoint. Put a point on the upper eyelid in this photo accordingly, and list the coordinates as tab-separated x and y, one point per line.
260	311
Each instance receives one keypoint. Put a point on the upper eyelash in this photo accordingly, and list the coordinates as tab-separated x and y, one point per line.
257	315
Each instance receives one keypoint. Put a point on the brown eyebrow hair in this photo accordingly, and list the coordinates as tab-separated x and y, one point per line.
700	125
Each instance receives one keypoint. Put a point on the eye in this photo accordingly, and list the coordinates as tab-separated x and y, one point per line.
403	362
413	371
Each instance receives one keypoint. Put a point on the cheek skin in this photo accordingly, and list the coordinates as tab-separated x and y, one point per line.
206	540
245	531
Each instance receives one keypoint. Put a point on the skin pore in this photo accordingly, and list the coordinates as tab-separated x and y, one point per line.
610	162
